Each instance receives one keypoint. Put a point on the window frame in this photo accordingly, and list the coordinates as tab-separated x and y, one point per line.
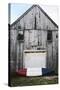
49	36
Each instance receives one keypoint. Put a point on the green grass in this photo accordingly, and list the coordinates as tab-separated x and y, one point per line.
28	81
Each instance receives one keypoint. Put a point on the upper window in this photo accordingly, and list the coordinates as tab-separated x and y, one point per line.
20	37
49	35
19	27
56	35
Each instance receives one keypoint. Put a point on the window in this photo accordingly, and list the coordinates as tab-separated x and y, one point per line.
19	27
49	35
20	37
56	35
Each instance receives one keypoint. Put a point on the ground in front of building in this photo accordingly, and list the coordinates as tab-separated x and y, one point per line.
28	81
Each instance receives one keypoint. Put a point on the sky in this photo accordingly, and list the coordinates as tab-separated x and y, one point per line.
18	9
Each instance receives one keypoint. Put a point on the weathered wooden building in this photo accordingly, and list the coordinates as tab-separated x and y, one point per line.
34	32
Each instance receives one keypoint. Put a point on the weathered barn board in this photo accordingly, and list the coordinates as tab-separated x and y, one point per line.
13	49
49	59
34	38
44	39
26	40
19	63
34	30
55	50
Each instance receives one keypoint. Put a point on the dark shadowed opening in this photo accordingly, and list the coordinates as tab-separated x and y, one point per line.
49	35
20	37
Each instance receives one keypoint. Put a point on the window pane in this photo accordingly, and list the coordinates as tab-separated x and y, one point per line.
49	35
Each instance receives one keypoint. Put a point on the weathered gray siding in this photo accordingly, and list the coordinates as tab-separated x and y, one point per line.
13	48
55	50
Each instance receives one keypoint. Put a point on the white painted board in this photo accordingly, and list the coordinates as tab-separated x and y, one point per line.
34	71
35	59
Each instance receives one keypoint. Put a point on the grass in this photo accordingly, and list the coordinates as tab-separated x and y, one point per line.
28	81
